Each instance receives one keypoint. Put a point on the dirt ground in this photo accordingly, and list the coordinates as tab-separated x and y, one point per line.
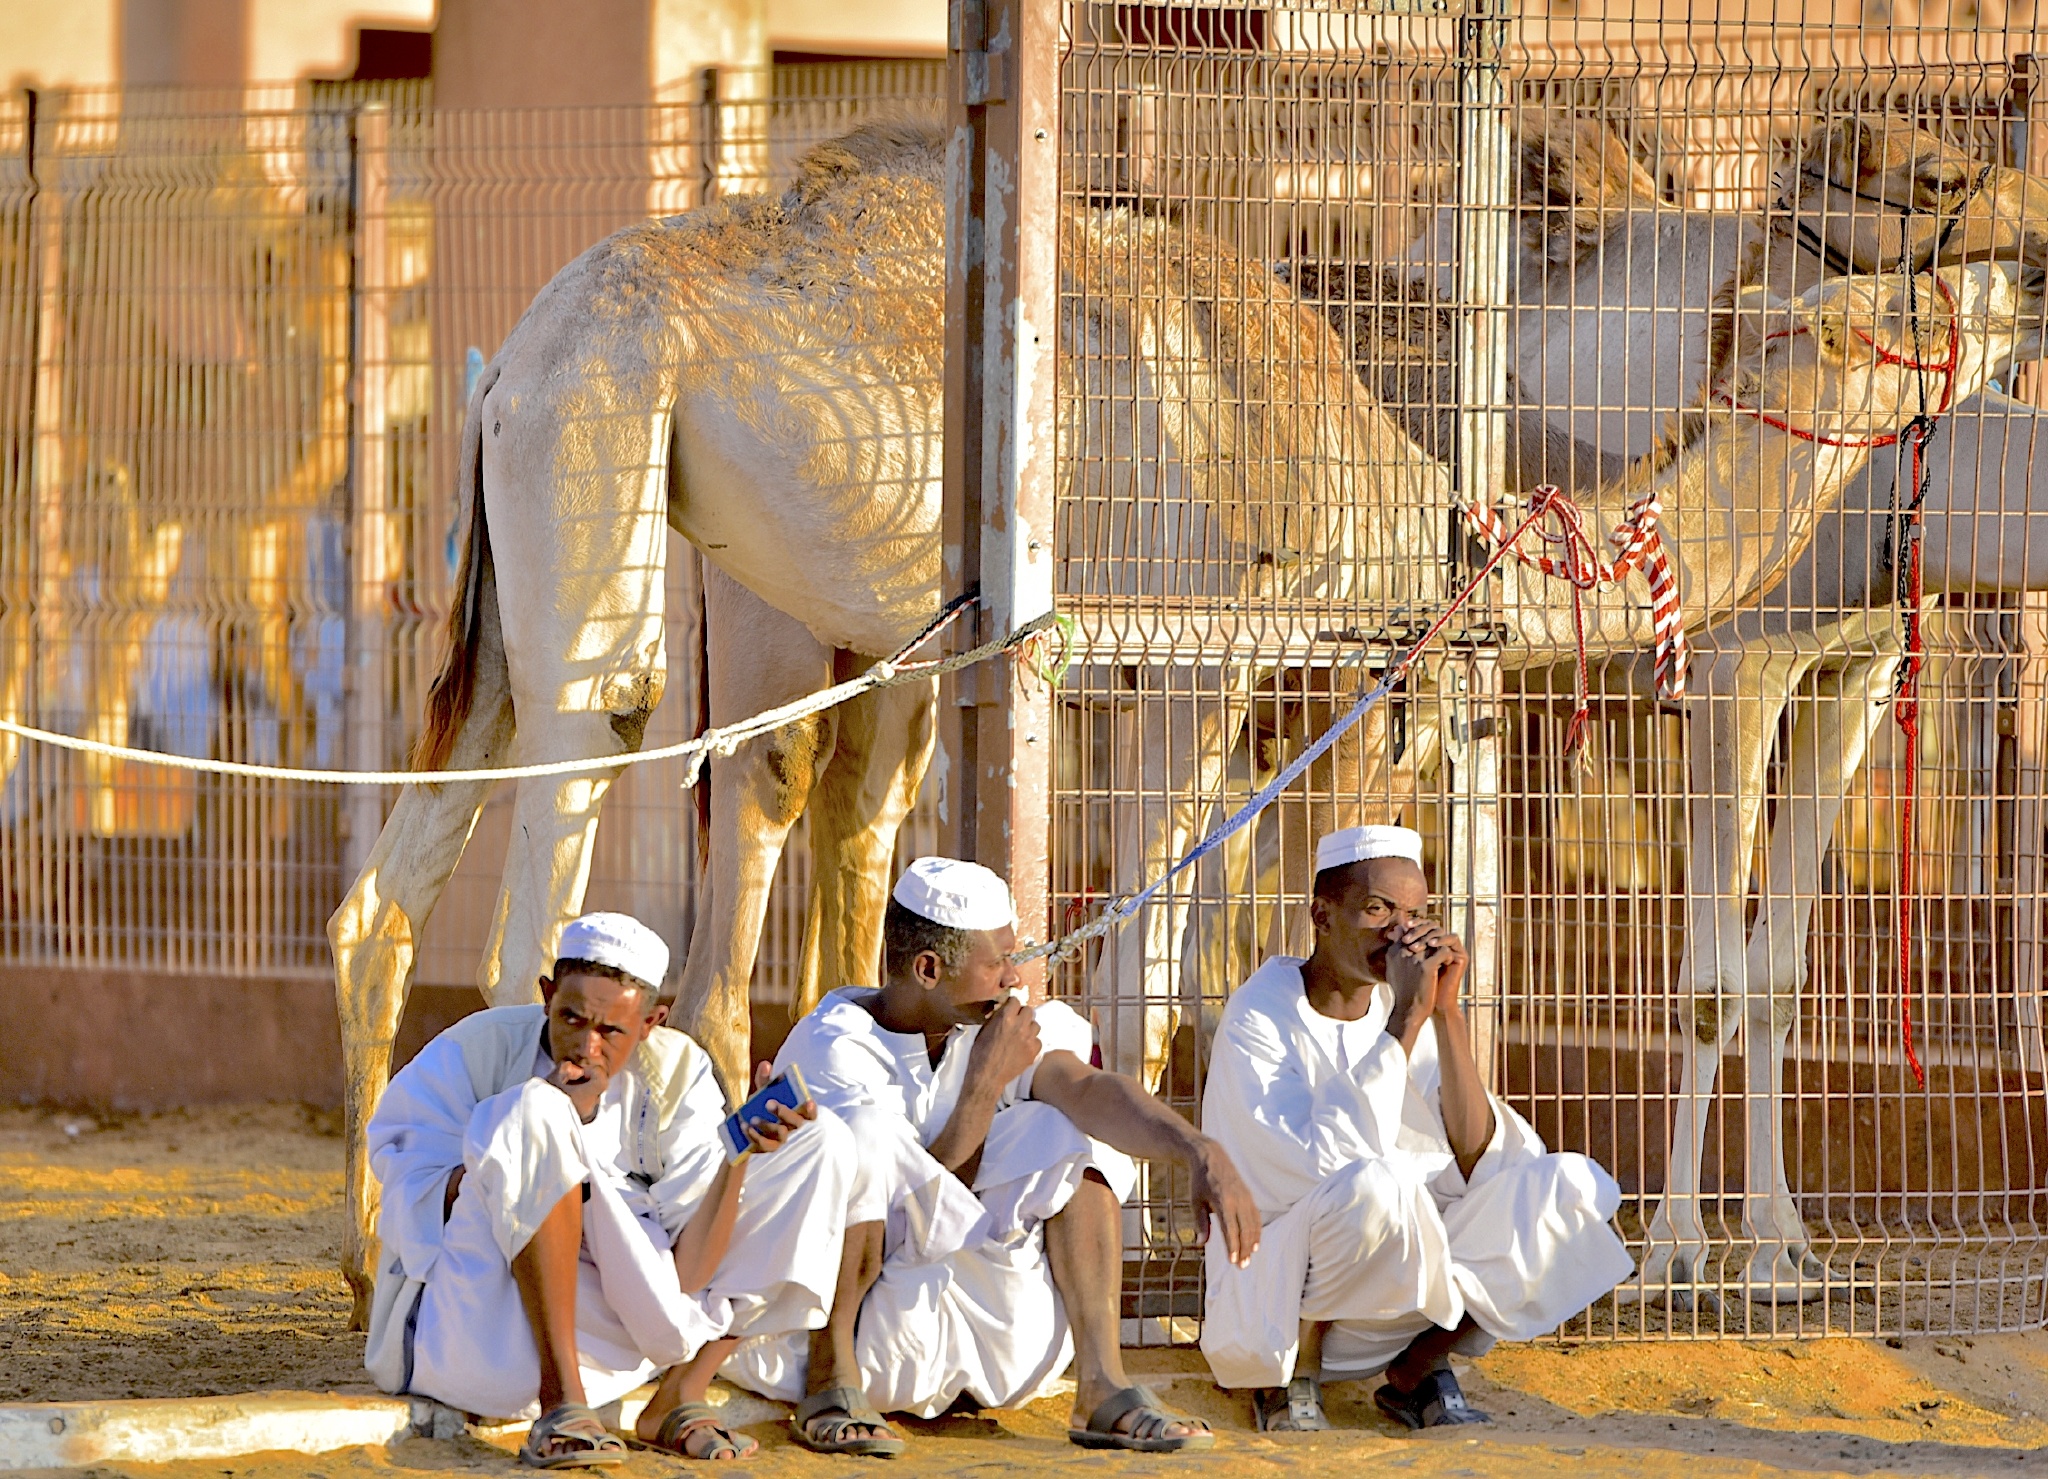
194	1253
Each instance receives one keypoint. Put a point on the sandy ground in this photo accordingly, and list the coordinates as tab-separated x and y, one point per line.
189	1254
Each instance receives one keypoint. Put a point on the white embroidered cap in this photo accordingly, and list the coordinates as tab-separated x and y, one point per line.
616	940
961	896
1358	844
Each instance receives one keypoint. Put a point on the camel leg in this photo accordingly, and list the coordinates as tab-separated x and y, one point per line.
884	746
143	589
575	499
1828	744
1163	778
759	658
375	932
1739	696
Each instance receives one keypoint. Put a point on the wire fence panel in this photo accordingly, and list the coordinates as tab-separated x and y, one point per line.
237	335
1332	279
1703	902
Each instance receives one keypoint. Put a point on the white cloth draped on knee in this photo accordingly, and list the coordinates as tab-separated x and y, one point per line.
472	1346
1368	1221
965	1301
447	1321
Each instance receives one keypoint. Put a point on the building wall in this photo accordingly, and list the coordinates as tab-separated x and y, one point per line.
871	28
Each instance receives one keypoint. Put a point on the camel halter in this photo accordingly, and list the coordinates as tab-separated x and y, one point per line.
1914	435
1839	262
1578	562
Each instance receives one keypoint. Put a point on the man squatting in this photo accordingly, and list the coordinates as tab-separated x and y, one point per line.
561	1222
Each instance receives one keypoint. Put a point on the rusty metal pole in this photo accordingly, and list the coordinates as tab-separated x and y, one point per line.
373	536
1002	296
2030	683
1485	220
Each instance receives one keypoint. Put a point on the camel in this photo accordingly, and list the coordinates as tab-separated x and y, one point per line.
1626	327
1829	621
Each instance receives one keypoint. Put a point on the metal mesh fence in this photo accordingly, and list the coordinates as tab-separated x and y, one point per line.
1518	233
239	330
1326	276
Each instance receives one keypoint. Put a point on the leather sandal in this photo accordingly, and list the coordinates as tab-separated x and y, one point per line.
851	1409
1147	1434
690	1417
1438	1402
601	1449
1295	1408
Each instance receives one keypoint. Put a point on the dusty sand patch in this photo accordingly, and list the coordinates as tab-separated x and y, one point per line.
192	1253
177	1255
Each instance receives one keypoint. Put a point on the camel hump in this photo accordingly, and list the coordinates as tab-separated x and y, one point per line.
911	143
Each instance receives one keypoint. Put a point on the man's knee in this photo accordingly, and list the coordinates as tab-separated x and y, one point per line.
1369	1198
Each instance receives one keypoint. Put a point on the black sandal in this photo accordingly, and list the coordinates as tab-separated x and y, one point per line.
686	1418
1295	1408
851	1408
1438	1402
599	1450
1144	1435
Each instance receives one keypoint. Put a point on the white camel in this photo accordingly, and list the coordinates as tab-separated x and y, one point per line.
1613	360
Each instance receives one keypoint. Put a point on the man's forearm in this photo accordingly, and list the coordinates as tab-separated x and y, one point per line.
701	1245
1461	1093
1116	1111
958	1146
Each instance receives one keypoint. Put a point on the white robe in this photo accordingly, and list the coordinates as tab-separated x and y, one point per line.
965	1301
447	1321
1368	1221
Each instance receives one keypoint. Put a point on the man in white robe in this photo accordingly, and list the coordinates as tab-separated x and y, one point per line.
1408	1212
561	1220
984	1250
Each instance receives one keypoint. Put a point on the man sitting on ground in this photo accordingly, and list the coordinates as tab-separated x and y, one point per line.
560	1218
949	1082
1408	1212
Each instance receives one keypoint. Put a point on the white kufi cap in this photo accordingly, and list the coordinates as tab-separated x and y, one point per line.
616	940
961	896
1358	844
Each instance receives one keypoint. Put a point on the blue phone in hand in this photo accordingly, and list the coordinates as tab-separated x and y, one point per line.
789	1088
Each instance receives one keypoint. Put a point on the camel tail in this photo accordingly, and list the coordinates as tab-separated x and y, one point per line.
454	687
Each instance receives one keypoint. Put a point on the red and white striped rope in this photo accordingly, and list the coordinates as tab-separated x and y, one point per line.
1638	546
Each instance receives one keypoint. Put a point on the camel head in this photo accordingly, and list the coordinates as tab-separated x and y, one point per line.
1886	195
1855	359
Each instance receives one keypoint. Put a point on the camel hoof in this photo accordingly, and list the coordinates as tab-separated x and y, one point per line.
359	1306
1670	1277
1785	1275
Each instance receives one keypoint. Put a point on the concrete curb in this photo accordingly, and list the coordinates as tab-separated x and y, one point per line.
64	1435
60	1435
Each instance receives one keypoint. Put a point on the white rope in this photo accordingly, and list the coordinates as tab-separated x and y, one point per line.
722	741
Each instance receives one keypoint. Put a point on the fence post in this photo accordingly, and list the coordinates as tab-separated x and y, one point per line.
374	554
2030	688
1485	220
1002	238
710	134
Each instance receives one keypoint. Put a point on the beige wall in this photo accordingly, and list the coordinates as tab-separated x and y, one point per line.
298	38
861	28
59	43
65	43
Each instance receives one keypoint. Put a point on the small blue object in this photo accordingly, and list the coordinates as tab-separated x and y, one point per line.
789	1089
472	371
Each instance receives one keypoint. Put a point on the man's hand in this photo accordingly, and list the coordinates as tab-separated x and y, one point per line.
583	1087
1219	1192
448	1195
1426	967
1006	1045
765	1136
